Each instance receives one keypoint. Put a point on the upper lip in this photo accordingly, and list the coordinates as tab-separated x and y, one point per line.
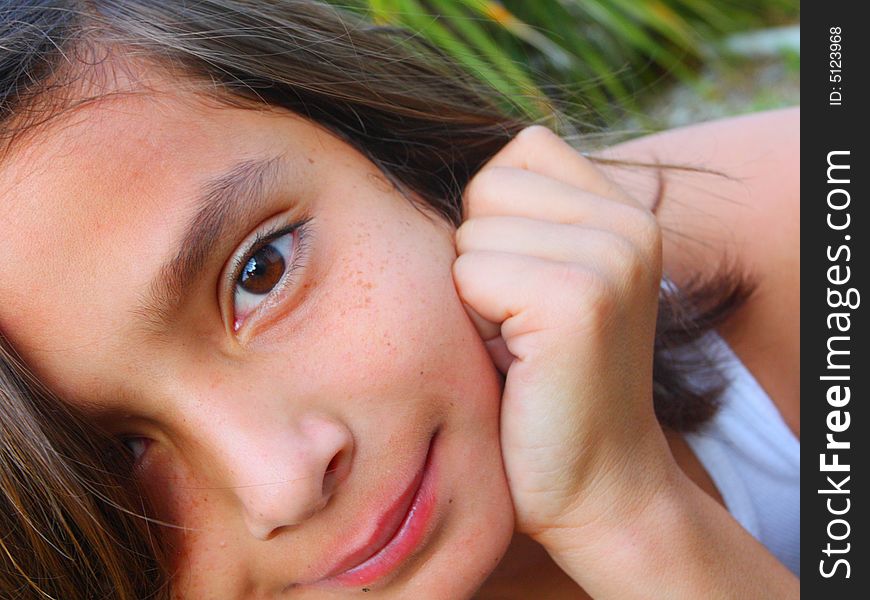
387	525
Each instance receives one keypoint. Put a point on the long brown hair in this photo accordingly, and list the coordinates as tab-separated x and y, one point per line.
70	526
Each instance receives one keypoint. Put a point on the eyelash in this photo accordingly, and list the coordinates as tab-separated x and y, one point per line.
264	238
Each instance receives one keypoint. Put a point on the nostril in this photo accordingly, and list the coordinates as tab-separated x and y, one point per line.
332	475
333	464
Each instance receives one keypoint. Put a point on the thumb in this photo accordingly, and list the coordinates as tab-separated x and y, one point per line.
499	354
490	333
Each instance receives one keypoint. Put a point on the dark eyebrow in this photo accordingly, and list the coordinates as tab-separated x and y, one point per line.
225	201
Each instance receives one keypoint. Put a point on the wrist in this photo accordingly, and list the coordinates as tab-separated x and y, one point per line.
655	492
641	531
680	544
617	487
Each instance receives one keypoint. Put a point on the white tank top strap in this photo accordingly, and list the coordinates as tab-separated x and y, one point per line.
752	456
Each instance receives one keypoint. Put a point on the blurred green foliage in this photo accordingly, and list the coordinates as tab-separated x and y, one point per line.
598	58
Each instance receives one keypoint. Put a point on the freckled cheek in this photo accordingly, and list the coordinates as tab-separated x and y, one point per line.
412	328
386	316
205	565
387	322
200	523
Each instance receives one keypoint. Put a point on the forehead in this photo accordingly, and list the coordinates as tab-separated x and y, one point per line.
92	203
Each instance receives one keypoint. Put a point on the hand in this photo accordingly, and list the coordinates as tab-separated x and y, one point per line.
560	271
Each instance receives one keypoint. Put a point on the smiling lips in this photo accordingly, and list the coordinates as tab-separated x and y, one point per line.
400	530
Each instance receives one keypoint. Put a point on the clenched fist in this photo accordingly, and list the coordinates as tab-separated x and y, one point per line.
560	270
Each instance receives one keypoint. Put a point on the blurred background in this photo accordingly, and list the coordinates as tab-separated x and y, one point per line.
625	67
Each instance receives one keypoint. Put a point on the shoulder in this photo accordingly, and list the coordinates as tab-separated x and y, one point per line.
733	180
736	199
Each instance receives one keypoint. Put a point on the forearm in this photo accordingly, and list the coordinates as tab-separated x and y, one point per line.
681	545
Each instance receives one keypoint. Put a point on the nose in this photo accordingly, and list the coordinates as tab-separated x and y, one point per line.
286	477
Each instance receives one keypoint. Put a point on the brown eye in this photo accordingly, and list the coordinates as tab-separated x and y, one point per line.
267	272
263	271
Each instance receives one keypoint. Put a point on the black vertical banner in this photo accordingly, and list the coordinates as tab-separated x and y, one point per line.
835	364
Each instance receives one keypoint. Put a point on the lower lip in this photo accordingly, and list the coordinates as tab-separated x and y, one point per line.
410	535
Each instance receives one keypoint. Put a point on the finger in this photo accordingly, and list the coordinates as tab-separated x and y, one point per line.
490	333
487	330
615	254
500	354
487	282
512	191
538	149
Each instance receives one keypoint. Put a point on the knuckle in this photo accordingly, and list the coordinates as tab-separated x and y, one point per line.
623	257
587	287
599	300
625	254
591	299
573	275
649	230
466	275
644	252
636	266
535	133
463	266
634	261
462	236
476	195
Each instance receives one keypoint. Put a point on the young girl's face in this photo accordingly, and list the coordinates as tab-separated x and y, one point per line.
294	394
